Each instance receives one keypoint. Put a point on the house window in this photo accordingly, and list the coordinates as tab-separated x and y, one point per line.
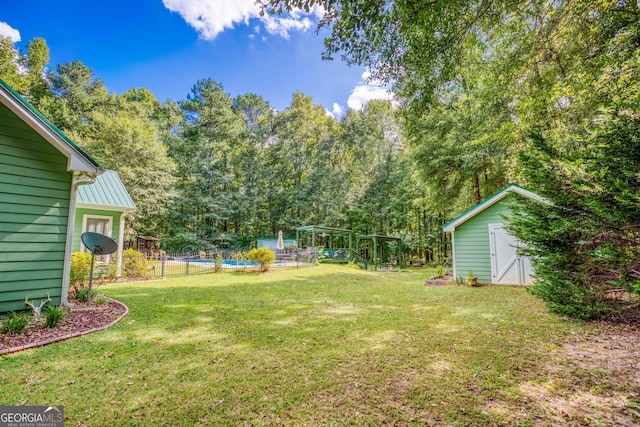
98	224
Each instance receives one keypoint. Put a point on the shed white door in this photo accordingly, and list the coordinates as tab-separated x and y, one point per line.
507	268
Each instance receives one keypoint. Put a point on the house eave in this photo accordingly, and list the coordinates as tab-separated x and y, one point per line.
85	205
76	160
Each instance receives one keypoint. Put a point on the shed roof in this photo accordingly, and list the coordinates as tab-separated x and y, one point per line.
490	201
108	193
78	160
323	229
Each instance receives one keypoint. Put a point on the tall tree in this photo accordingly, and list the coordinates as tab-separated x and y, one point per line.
208	135
128	139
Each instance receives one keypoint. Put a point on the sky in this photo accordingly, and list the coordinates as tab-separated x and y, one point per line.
166	46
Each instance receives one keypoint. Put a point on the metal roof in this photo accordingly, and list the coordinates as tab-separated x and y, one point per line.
108	192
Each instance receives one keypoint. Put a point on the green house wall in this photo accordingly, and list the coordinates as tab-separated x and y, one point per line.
471	241
35	189
81	212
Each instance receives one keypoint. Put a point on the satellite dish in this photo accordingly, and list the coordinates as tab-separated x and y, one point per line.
98	244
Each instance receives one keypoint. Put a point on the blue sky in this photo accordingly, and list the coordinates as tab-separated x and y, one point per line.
167	45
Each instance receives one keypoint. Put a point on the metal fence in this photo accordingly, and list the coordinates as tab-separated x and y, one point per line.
157	264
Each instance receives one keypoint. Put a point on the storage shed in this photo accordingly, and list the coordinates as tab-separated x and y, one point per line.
40	171
482	245
102	208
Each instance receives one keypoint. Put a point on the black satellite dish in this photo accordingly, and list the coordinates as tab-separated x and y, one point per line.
98	244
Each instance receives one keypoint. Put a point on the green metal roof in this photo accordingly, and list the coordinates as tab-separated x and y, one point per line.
108	192
38	115
323	229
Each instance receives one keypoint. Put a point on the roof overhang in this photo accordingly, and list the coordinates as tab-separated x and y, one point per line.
77	159
512	188
105	207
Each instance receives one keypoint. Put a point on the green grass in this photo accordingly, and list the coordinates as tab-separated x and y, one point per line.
319	346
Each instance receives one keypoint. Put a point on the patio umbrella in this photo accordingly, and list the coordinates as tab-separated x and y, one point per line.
280	244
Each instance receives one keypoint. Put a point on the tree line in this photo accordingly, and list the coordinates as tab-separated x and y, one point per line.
214	170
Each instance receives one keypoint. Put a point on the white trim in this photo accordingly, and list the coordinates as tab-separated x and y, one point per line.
450	227
75	160
109	219
114	208
453	257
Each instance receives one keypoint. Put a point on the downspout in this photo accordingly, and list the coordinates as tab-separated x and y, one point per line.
120	244
78	179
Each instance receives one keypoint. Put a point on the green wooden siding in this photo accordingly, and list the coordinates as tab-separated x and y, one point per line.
77	229
34	207
471	241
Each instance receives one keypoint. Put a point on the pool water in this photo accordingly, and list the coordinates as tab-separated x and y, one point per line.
229	262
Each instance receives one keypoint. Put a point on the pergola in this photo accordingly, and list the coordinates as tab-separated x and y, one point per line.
319	230
377	243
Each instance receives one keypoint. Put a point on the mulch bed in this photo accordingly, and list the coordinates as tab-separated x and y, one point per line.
81	320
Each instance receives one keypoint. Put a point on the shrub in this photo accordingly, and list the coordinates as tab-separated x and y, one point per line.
53	314
263	255
15	323
100	299
134	263
80	268
82	294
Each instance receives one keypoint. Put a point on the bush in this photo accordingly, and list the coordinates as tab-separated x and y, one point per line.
53	314
134	263
82	294
15	323
80	268
263	255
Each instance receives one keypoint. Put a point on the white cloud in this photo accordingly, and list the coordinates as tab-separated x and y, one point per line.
366	90
336	112
211	17
282	26
7	31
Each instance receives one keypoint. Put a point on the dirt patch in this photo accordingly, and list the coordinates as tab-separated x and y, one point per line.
81	320
594	379
443	280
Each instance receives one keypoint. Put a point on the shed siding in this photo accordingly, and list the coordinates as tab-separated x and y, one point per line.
472	247
35	189
77	232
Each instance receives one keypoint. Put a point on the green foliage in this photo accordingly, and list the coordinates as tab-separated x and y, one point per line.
100	299
264	256
134	264
80	269
82	294
14	323
184	242
586	241
53	314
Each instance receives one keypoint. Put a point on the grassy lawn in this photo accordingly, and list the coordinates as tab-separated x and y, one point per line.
319	346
